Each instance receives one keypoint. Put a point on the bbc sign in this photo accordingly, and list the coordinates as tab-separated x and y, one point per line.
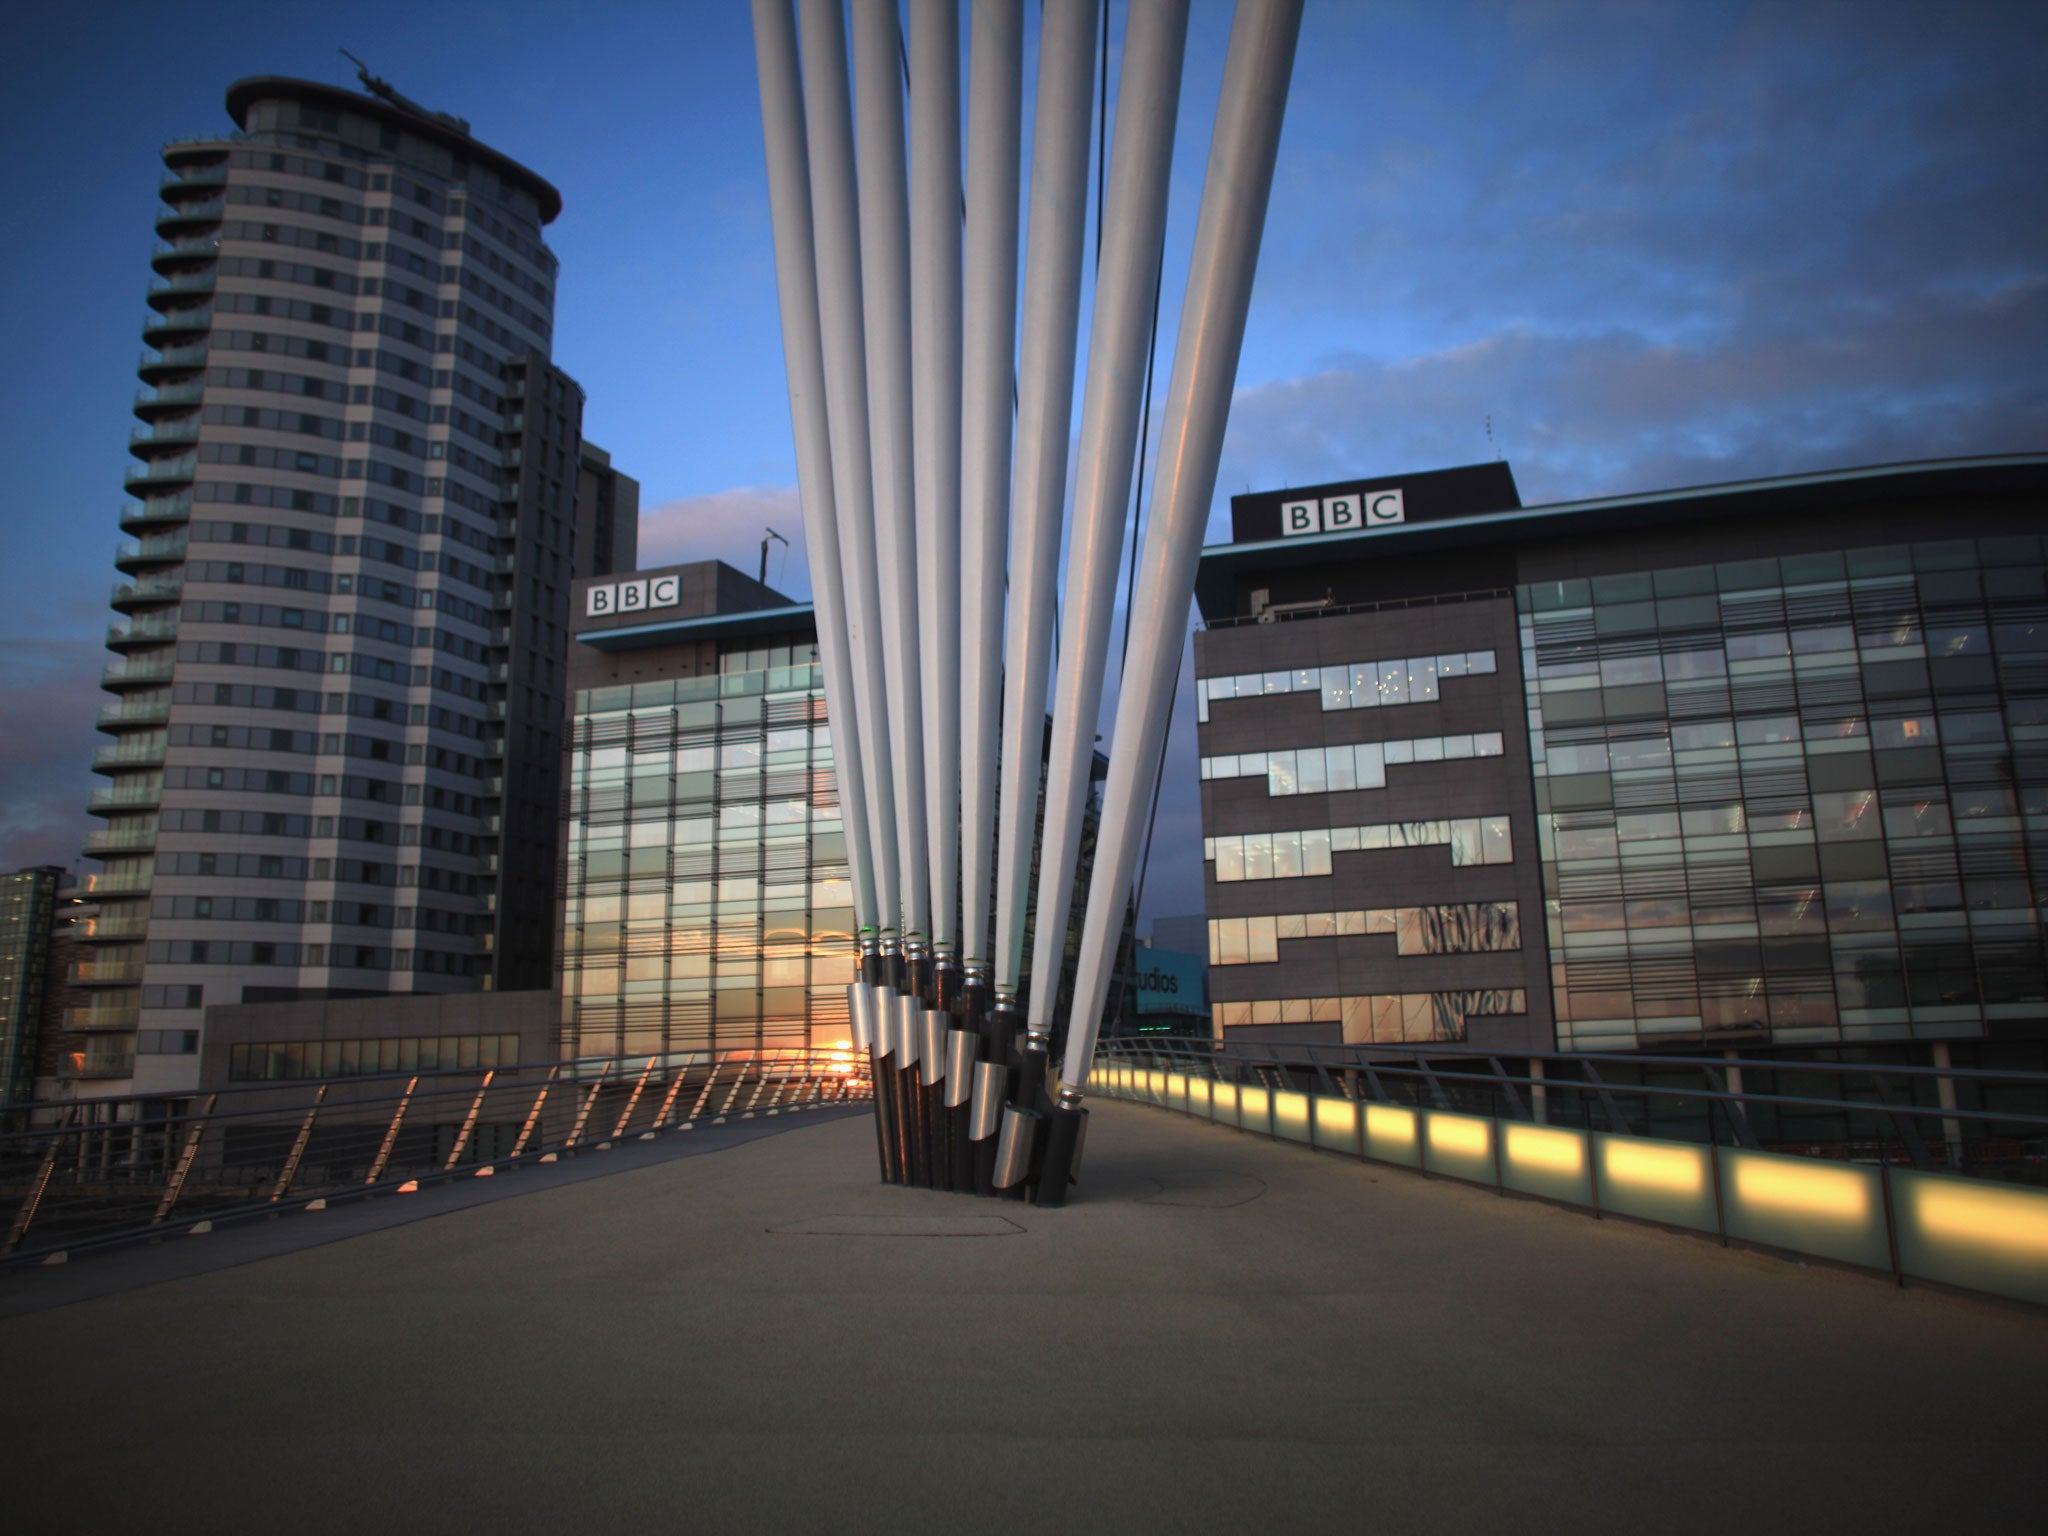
1359	512
616	597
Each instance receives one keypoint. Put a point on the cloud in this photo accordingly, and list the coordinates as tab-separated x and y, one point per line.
1582	414
47	701
729	525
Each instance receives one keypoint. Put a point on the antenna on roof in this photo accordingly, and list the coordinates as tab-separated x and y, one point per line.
778	538
384	89
1489	437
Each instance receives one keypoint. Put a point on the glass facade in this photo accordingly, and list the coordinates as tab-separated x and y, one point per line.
708	902
1804	796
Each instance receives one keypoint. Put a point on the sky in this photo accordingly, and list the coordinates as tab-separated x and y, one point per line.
1624	246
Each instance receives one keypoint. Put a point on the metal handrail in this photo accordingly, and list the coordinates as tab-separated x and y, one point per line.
1425	1066
101	1172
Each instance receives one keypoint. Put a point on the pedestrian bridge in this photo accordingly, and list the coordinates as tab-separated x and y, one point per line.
739	1328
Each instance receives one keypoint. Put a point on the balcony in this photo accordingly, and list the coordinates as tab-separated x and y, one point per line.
171	400
194	182
138	672
139	794
104	1013
118	922
150	591
190	217
140	710
166	291
155	511
200	148
165	434
177	324
152	630
172	362
183	254
105	886
121	839
157	549
106	973
83	1065
161	474
128	754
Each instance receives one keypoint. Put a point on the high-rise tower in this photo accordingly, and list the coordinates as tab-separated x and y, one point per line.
336	756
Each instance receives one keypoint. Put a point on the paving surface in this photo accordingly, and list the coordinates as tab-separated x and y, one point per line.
1221	1334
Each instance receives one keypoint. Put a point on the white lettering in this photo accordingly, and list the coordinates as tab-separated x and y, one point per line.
598	602
666	592
1384	508
1340	514
632	596
1300	517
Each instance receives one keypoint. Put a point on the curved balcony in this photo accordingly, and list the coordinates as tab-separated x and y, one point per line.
199	148
128	713
139	671
132	921
172	363
164	434
149	592
168	291
119	839
142	792
177	326
104	1013
189	218
161	474
137	555
170	401
155	629
117	920
106	973
185	254
132	752
156	512
194	181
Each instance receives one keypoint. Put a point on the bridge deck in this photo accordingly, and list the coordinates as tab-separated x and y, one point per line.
1222	1332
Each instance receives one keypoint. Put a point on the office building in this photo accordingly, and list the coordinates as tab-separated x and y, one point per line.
28	923
360	497
1760	765
707	901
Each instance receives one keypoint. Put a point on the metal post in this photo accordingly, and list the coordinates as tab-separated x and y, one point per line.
476	1108
885	313
633	1098
828	131
1126	276
1227	235
27	1213
1045	409
533	1114
796	273
994	106
935	384
290	1170
1945	1091
390	1133
589	1103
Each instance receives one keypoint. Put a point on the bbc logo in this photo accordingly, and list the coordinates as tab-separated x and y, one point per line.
1355	513
633	596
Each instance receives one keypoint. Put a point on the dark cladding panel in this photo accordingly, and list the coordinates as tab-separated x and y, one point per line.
1364	506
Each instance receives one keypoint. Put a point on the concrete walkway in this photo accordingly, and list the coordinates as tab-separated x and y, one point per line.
1222	1334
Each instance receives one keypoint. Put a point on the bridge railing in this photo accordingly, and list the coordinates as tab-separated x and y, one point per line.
92	1173
1925	1173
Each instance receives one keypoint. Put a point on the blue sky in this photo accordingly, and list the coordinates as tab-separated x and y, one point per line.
1646	244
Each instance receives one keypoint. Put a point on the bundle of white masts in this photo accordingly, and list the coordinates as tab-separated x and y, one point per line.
901	390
